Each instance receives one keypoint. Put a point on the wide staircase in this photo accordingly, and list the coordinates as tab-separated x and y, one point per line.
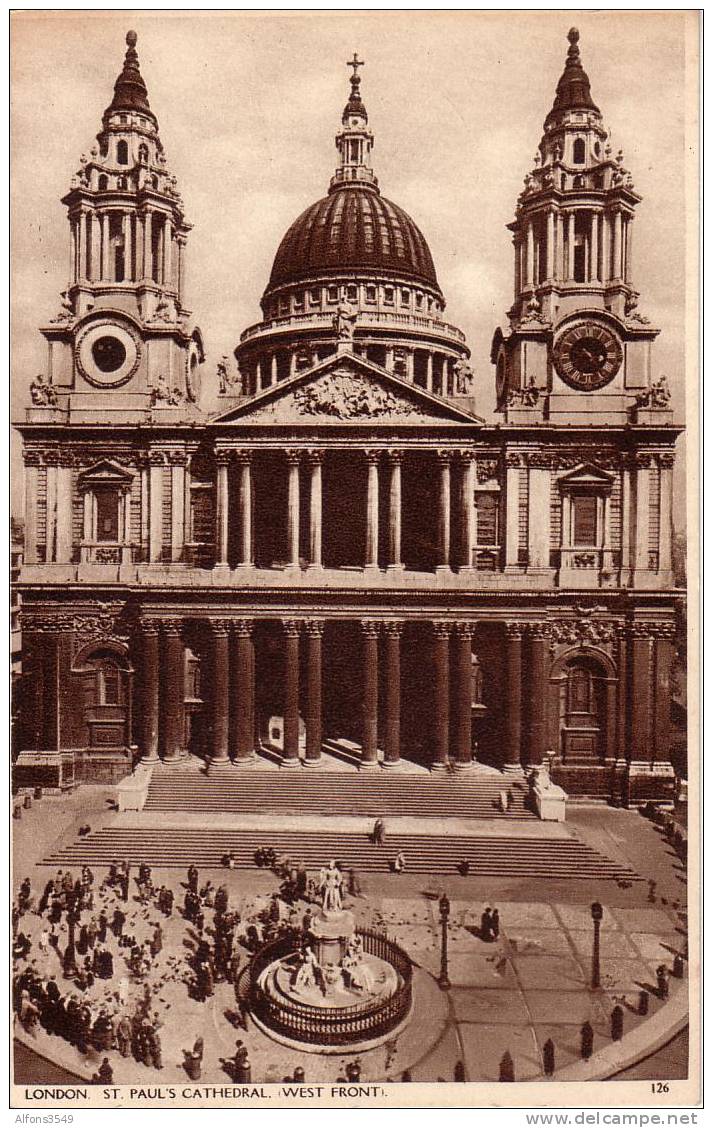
487	855
421	795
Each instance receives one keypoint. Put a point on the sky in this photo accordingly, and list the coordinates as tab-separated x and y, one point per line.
248	106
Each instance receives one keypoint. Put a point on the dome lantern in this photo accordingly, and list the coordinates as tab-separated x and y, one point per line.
354	140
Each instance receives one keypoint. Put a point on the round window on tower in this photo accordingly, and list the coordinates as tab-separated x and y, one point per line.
109	354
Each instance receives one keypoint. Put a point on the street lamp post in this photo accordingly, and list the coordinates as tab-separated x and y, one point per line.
597	914
445	907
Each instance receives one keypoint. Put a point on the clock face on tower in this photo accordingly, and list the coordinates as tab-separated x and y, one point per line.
587	356
107	354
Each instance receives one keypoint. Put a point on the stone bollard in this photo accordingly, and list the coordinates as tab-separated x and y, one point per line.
38	793
27	802
586	1041
662	981
548	1057
617	1024
679	966
507	1067
643	1008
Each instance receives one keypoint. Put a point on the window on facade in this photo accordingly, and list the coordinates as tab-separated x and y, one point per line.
419	301
405	297
476	681
578	151
352	293
121	183
487	518
202	516
107	515
579	689
193	677
103	183
371	293
584	519
106	686
299	301
122	153
284	305
315	297
389	295
332	293
563	182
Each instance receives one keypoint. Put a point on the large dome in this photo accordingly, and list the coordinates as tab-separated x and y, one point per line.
353	227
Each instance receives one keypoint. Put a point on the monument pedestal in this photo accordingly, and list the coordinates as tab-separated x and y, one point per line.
331	932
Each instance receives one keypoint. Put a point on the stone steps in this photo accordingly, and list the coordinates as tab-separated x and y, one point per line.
534	857
335	793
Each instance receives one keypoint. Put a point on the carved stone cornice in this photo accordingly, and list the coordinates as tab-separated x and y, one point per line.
32	622
148	625
157	458
293	457
583	630
666	461
373	457
315	456
177	458
486	468
653	629
32	457
241	457
643	460
224	457
539	632
539	460
514	460
394	457
445	457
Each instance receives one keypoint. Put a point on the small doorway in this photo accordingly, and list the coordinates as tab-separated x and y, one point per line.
582	712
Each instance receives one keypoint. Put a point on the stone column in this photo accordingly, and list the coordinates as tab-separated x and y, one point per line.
168	253
628	235
181	244
665	511
107	265
441	693
372	510
513	464
148	263
64	511
173	691
155	506
96	244
291	749
273	368
313	712
128	250
72	252
513	698
220	690
594	257
246	510
314	458
293	507
616	264
550	265
539	648
530	263
444	512
82	246
148	689
394	460
429	371
640	696
643	502
178	461
663	660
467	511
392	704
570	245
539	514
221	509
244	689
51	507
31	487
370	700
463	698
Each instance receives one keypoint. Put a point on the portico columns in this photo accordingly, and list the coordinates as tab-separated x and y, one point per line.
314	458
244	689
441	694
291	749
148	690
467	511
221	690
395	562
370	700
173	691
246	510
462	729
313	709
444	512
392	647
221	510
538	669
293	508
372	510
513	705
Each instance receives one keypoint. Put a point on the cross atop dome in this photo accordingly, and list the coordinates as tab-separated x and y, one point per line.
355	62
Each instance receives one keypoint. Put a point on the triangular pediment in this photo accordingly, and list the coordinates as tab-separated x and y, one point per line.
346	389
107	472
586	475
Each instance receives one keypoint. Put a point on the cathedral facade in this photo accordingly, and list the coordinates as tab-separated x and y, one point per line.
345	561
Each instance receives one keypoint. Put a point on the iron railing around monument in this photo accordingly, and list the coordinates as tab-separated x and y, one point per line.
336	1026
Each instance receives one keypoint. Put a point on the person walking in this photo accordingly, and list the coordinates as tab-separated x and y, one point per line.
399	863
495	923
379	832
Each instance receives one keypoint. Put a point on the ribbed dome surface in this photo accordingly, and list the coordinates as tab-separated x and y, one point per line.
356	228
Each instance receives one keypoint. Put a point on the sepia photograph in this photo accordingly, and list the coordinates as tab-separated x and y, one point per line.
354	377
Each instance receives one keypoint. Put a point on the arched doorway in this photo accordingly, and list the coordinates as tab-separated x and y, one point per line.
105	695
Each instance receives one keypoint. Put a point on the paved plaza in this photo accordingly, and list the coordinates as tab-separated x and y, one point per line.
512	994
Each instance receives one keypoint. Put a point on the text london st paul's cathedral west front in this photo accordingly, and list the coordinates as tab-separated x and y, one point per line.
345	564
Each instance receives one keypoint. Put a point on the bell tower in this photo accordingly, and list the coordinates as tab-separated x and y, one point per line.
577	349
124	326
